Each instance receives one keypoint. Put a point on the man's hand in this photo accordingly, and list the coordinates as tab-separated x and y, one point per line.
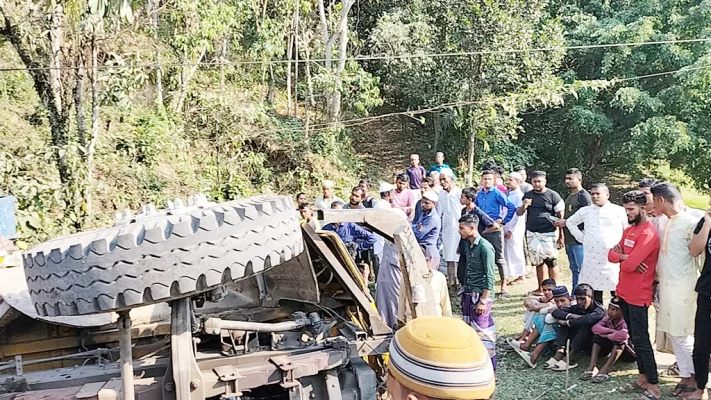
480	308
527	203
563	322
561	242
618	249
559	224
573	316
493	228
642	268
419	227
508	235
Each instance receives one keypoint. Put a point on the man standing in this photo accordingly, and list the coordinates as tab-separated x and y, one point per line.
604	224
402	197
515	232
638	252
702	342
677	274
353	236
451	211
449	360
439	163
385	189
495	204
356	199
427	185
525	186
434	175
477	281
368	200
468	200
577	199
427	228
544	206
415	172
324	201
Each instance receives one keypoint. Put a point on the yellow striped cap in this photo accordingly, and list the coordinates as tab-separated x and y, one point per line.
441	357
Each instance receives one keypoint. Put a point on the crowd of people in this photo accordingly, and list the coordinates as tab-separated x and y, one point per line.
645	252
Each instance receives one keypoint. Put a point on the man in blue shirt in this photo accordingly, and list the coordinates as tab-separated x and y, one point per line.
439	159
427	226
356	239
497	206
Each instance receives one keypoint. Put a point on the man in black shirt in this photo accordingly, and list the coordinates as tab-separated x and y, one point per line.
543	207
701	243
577	199
575	323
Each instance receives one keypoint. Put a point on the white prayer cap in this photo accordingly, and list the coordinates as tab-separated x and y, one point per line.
385	187
434	173
431	196
516	176
446	172
328	184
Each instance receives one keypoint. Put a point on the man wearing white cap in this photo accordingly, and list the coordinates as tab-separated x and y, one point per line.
451	212
515	232
324	201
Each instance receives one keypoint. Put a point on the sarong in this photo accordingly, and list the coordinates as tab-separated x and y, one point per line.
483	323
547	332
542	246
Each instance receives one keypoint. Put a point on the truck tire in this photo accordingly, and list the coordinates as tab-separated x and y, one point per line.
176	254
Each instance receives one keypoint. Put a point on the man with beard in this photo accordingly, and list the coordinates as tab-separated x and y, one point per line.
604	224
544	206
356	199
525	186
677	273
368	200
577	199
451	211
638	252
402	197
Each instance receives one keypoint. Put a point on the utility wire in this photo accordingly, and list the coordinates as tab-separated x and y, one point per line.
372	58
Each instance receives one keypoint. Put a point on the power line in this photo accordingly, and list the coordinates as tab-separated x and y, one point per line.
365	120
373	57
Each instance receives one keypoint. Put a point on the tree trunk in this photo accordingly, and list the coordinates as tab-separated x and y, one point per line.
223	57
289	51
185	77
153	6
437	129
94	126
334	111
307	65
296	58
77	95
471	150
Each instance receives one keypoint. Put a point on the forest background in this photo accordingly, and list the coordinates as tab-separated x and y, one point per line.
111	104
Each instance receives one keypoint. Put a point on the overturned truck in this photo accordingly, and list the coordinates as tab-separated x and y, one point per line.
235	300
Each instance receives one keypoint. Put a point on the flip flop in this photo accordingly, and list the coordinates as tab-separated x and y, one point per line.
502	295
673	370
515	344
633	387
587	375
649	396
601	378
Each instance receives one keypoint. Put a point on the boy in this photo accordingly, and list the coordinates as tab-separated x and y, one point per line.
416	172
534	306
545	329
575	323
611	338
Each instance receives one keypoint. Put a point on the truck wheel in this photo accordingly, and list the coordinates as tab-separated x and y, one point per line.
175	254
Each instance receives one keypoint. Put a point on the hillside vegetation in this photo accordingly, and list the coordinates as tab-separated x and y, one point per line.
108	105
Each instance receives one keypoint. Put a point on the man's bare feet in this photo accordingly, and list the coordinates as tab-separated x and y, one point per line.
696	395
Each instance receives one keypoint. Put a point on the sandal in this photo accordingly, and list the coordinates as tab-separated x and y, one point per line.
563	366
515	344
526	357
673	370
679	389
551	363
587	375
502	295
633	387
601	378
649	396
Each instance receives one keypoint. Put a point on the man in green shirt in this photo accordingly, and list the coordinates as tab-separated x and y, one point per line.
476	275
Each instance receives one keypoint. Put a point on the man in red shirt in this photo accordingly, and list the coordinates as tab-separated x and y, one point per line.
637	254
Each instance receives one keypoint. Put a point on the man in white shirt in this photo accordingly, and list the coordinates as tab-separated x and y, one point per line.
324	201
451	212
604	225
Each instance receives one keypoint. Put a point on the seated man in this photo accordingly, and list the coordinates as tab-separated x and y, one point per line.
545	329
611	338
534	306
575	323
439	358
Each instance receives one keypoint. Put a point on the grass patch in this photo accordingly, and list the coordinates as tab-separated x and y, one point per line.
516	381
